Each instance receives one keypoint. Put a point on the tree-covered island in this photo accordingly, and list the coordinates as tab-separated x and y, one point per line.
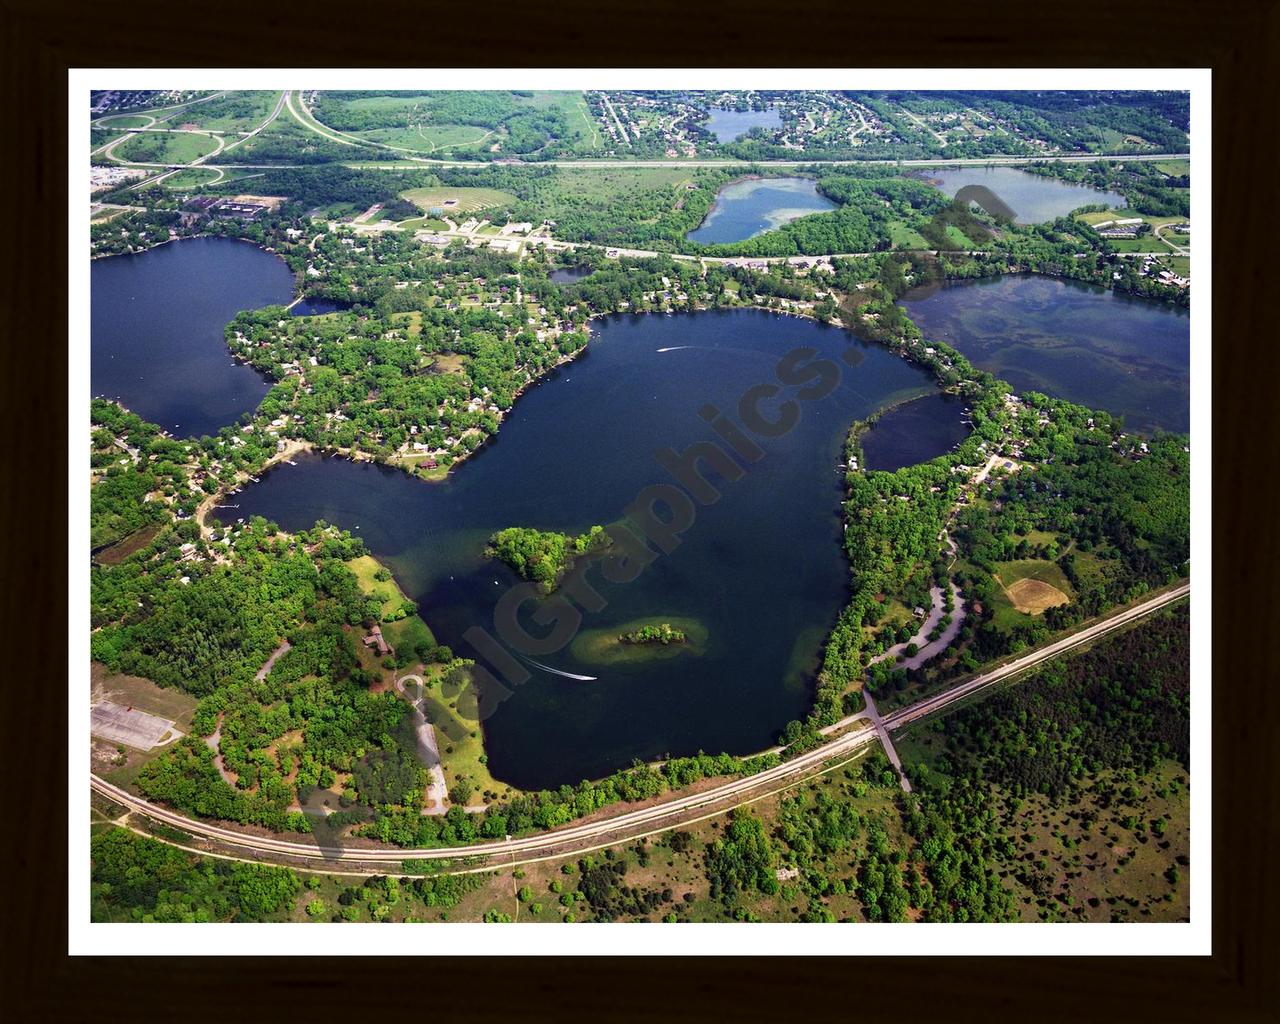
663	633
543	556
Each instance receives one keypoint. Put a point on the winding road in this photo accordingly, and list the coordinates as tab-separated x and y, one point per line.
658	817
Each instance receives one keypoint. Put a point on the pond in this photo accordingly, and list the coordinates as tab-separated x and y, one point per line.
727	125
914	432
752	206
1033	198
157	321
1104	349
567	275
760	574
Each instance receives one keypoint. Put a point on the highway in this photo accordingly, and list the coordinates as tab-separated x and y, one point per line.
408	164
680	809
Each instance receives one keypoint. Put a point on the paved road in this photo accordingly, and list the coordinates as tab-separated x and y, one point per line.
926	648
1177	249
657	817
882	734
407	164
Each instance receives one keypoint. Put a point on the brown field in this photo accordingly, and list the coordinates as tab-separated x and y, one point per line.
449	362
136	541
1034	596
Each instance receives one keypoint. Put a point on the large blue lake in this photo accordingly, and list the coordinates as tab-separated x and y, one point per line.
752	206
762	569
1033	198
157	321
1103	349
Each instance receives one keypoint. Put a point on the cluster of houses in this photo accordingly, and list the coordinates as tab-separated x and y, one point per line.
1152	267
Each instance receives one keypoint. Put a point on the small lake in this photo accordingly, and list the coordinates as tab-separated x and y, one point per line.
1099	348
744	209
727	125
762	569
915	432
1034	199
568	275
157	321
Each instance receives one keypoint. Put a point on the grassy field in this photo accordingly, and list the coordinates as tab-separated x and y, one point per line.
403	634
904	237
392	596
195	177
424	224
461	743
165	147
1174	168
233	113
430	138
605	184
1091	568
336	211
408	632
407	121
126	121
466	200
412	321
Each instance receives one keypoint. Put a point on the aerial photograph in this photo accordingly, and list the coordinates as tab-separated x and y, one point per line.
636	505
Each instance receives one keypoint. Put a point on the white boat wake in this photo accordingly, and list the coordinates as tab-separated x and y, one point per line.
567	675
674	348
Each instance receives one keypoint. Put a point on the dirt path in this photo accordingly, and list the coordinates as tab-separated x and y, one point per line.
214	743
267	666
428	749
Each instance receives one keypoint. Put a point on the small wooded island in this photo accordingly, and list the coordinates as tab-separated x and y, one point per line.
641	640
664	633
543	556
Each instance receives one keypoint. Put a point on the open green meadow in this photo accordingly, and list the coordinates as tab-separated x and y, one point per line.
126	121
165	147
194	177
232	113
424	138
